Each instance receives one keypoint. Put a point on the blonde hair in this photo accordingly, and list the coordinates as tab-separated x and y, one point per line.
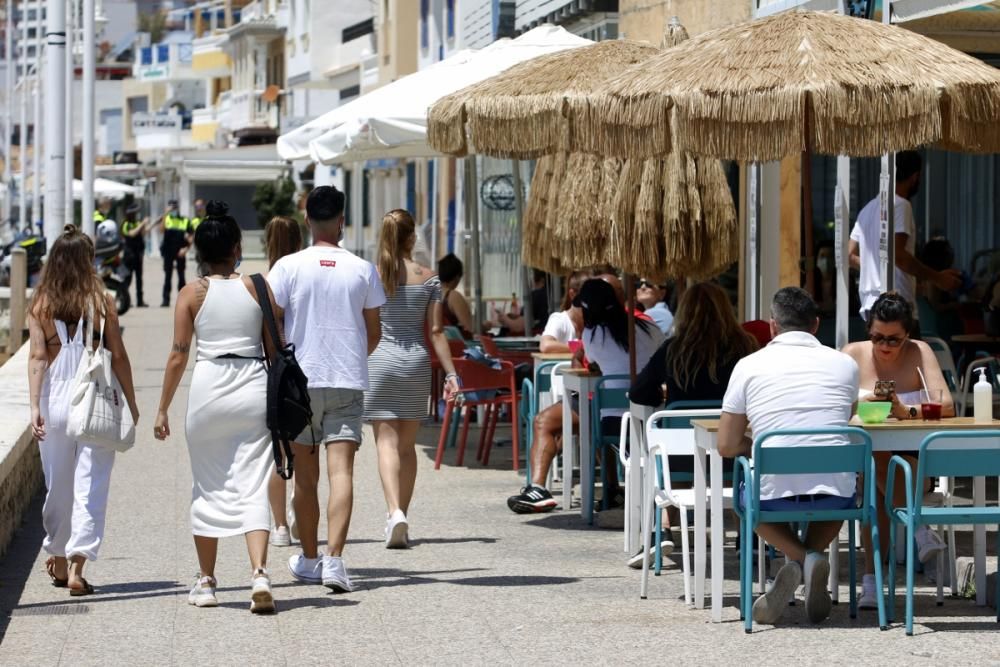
706	335
282	236
69	286
395	239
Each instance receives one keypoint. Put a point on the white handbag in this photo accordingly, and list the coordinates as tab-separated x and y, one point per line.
98	412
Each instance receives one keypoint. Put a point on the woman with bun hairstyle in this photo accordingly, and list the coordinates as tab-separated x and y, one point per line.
69	299
228	440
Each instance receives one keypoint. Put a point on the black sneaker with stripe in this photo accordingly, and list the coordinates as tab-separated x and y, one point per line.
532	499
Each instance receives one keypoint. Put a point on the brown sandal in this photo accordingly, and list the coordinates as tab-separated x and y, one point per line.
50	568
86	590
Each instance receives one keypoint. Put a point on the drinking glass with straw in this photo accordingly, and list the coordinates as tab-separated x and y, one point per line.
930	409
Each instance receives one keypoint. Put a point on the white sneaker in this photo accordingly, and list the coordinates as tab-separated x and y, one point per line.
261	600
868	599
203	593
280	537
396	528
816	573
635	562
929	543
335	575
307	570
769	607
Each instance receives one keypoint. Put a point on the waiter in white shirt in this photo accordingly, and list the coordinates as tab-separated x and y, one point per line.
864	244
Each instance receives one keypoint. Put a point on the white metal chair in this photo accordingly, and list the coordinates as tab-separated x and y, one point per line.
555	394
665	442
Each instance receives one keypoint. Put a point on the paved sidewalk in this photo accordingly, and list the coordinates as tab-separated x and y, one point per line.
480	586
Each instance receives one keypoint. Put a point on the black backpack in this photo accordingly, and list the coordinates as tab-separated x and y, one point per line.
288	409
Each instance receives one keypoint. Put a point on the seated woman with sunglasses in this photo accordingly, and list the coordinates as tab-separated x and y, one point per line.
892	359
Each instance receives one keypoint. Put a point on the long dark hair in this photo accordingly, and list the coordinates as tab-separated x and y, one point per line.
706	335
603	311
217	236
69	286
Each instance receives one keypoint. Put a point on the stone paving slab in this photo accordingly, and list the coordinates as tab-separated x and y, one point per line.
481	586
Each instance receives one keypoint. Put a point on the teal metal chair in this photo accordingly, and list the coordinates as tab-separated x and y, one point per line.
526	413
801	459
675	477
604	398
976	455
541	384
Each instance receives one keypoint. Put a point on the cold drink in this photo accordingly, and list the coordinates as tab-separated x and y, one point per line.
931	411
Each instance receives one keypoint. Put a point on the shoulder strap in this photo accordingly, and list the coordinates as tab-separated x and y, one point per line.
263	296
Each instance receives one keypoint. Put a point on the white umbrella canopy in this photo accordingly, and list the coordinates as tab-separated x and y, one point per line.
391	121
104	187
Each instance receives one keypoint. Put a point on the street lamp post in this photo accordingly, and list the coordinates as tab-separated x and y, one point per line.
8	169
55	138
87	153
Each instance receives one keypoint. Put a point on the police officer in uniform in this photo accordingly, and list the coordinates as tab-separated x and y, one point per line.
134	231
102	212
176	241
199	215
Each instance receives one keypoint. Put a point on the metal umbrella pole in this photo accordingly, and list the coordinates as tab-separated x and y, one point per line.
8	170
36	143
472	219
526	272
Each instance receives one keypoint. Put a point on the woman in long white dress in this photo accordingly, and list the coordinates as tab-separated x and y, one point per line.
228	440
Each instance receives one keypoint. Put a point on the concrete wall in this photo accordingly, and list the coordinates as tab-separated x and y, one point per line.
20	466
644	20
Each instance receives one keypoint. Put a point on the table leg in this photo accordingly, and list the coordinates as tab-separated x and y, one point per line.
979	532
699	520
586	470
567	457
638	465
717	518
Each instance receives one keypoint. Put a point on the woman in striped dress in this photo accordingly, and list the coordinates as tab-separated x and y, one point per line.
400	368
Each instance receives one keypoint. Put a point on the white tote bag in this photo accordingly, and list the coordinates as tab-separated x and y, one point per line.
98	412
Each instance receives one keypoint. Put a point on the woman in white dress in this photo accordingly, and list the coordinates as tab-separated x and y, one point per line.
228	440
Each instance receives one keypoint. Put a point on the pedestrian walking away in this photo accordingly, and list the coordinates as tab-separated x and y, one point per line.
400	367
282	236
227	436
77	474
331	300
173	248
134	232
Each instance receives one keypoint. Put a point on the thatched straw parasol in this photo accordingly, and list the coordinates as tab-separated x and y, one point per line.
793	82
518	114
647	219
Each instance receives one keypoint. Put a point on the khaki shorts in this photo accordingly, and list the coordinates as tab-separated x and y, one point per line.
337	416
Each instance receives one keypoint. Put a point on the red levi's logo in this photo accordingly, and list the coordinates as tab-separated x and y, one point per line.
328	263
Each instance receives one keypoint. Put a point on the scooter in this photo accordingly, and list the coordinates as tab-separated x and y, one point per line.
35	248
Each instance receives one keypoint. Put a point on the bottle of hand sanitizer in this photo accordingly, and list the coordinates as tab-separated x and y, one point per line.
983	399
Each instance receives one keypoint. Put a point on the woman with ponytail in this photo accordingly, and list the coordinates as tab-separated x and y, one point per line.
400	368
226	430
69	299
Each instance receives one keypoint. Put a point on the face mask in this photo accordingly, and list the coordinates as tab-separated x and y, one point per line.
823	264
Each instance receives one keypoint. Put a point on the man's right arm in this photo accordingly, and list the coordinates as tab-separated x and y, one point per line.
854	254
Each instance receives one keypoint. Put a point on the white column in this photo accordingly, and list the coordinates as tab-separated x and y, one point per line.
887	242
69	152
37	150
752	257
23	153
842	216
87	156
8	170
769	235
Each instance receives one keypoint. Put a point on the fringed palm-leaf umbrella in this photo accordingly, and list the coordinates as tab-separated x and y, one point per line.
587	218
796	81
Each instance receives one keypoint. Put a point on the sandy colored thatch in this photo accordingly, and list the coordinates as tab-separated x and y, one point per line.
518	114
801	80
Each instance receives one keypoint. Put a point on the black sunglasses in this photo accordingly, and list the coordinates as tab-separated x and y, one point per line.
645	283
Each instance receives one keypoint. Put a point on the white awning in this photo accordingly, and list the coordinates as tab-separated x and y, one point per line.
391	121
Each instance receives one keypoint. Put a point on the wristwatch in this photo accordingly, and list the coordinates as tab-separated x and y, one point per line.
913	412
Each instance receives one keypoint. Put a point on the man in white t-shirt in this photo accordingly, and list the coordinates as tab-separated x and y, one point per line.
331	301
864	244
794	382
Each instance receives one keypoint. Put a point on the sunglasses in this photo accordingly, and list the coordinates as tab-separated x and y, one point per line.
891	341
645	283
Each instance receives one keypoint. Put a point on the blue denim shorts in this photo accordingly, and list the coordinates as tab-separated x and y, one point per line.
816	502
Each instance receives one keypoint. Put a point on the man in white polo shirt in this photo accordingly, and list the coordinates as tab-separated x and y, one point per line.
794	382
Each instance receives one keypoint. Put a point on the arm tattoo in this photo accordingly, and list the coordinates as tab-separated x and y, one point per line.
182	348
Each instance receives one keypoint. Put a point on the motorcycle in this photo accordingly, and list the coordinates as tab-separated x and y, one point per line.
110	268
35	248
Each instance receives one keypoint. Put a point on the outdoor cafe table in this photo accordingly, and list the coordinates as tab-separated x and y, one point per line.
581	381
520	343
889	436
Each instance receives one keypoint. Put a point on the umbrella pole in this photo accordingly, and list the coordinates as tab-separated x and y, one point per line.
527	284
807	209
630	306
472	219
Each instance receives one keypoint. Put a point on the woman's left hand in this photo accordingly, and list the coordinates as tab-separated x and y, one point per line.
899	409
451	386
